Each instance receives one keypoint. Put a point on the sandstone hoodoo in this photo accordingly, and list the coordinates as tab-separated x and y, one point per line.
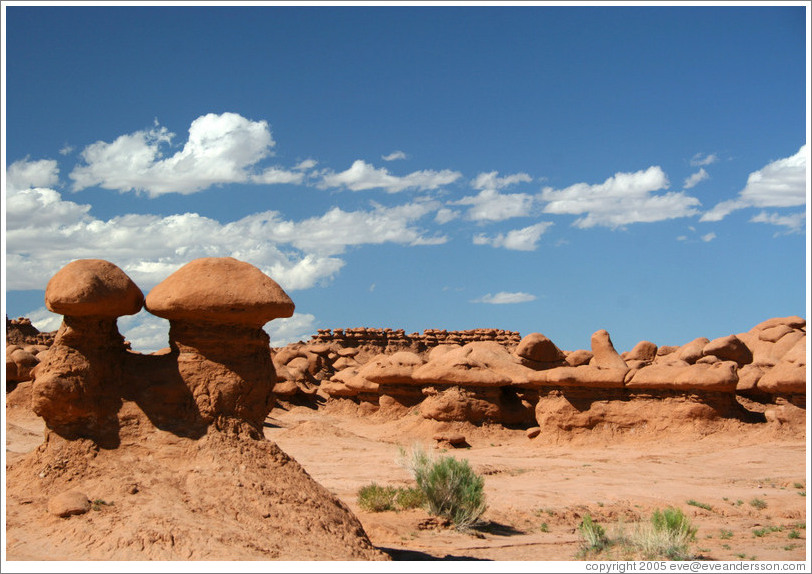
172	438
216	308
76	388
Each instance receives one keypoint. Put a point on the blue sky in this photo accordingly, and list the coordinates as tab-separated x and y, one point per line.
538	168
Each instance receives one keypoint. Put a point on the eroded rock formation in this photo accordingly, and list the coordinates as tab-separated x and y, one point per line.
181	428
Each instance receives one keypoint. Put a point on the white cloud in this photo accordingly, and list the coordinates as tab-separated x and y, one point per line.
491	180
220	149
362	176
46	232
44	320
25	174
695	178
620	200
708	237
795	222
781	183
394	155
444	215
299	327
66	150
145	332
698	160
504	297
490	205
525	239
305	165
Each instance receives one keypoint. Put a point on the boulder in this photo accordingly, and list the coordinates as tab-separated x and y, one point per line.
578	358
692	352
729	348
69	503
537	347
642	351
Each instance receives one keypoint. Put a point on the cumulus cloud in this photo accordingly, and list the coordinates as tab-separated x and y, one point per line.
394	155
490	205
505	297
25	174
220	149
781	183
299	327
46	232
362	176
708	237
794	222
622	199
491	180
444	215
525	239
699	160
695	178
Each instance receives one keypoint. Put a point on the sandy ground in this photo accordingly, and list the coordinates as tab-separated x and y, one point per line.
537	490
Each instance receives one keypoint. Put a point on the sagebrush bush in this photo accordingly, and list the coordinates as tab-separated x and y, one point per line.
376	498
593	534
667	536
451	488
411	497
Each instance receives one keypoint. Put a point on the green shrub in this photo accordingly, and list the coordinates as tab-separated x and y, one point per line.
376	498
704	505
451	488
411	497
667	536
758	503
794	534
725	534
593	534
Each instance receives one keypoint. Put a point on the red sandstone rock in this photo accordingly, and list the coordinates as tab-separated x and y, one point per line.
219	290
692	352
477	364
539	348
642	351
718	377
395	369
92	288
68	503
604	354
789	375
578	358
729	348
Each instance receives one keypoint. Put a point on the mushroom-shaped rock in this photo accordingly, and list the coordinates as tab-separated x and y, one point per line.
219	290
92	288
216	308
604	354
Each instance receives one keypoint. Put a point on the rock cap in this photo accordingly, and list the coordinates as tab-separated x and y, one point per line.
219	290
92	288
